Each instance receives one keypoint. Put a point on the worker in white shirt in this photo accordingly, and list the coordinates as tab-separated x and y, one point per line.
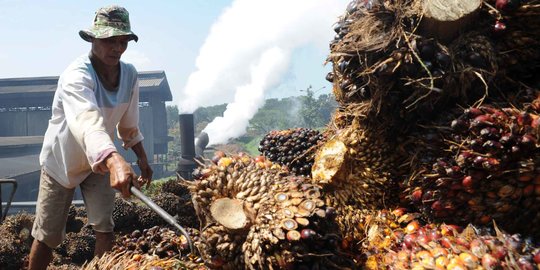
96	95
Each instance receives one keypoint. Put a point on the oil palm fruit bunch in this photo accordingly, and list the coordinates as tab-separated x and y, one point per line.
168	201
175	187
355	167
78	246
382	57
256	216
124	215
128	260
517	42
159	241
292	148
442	246
16	240
76	219
369	231
491	172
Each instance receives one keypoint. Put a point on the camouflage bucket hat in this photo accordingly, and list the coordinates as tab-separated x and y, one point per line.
110	21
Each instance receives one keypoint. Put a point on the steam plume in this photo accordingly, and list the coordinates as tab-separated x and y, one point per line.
247	53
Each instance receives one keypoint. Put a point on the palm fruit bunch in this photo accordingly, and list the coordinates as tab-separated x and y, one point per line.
355	167
400	239
78	246
293	148
76	219
168	201
15	240
185	213
390	56
517	27
442	246
256	216
159	241
128	260
175	187
490	172
147	218
124	215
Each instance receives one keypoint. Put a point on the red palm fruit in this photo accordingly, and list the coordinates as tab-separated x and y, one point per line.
409	240
489	262
525	264
437	206
416	195
528	190
434	234
447	242
499	252
467	181
412	227
536	256
423	239
485	219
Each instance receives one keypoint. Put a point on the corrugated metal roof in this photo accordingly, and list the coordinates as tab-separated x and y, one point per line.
150	83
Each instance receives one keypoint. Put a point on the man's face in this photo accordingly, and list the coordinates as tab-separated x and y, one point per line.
109	50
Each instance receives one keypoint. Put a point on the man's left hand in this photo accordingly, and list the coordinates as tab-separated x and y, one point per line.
146	172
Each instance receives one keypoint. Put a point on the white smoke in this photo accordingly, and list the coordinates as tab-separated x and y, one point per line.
248	52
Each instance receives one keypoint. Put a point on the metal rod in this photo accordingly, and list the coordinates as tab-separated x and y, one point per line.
170	219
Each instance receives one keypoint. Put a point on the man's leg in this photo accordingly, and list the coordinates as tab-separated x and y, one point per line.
99	201
40	256
50	220
104	243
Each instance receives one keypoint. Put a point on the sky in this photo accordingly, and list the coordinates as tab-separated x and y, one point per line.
212	51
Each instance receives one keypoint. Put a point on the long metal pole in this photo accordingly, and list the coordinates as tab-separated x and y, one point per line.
170	219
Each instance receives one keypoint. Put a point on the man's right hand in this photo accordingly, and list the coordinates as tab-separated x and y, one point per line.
122	175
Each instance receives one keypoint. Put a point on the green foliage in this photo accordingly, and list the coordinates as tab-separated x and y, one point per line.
205	115
316	113
252	147
172	116
277	114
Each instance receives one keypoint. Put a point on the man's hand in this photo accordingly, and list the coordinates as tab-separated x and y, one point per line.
146	172
122	175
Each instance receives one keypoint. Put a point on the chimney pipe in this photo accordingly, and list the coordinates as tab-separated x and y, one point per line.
186	164
201	142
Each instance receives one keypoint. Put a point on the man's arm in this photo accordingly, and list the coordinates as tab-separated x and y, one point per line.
122	175
142	161
129	133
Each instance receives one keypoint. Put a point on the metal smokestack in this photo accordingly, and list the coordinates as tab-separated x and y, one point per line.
187	136
186	164
200	144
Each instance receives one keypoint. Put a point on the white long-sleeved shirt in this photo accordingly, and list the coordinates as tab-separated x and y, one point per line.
84	117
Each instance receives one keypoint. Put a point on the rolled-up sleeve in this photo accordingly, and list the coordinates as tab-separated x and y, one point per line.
84	118
128	127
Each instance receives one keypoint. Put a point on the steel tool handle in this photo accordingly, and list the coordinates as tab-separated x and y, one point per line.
162	213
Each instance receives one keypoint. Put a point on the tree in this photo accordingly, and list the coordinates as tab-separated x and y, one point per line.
172	116
316	113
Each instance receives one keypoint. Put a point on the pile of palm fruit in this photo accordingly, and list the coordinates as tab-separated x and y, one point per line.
437	115
255	215
430	162
292	148
131	219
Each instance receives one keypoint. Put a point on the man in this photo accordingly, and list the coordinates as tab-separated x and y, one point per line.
96	94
